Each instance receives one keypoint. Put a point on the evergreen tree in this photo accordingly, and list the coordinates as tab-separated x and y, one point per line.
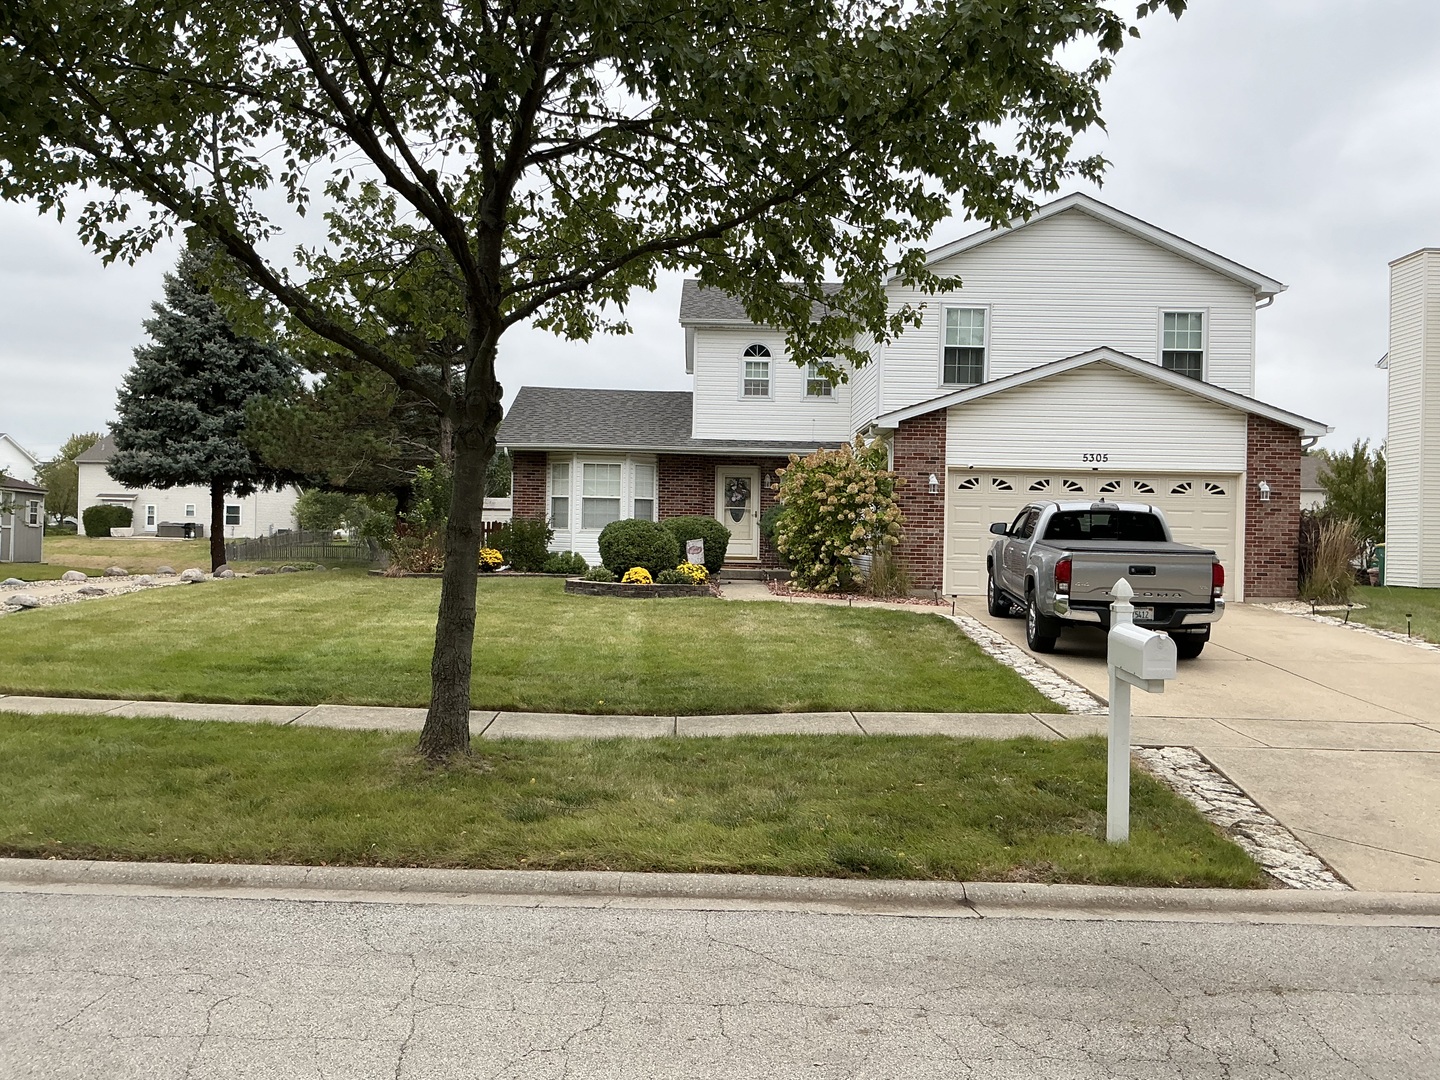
182	406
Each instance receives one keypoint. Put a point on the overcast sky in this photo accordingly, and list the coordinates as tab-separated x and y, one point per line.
1298	137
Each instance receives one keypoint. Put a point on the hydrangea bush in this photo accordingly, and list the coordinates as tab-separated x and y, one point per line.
838	504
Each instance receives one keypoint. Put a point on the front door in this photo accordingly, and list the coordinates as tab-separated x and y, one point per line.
737	504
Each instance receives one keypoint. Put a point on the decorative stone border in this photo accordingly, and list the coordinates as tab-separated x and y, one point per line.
1282	855
580	587
1301	610
1058	688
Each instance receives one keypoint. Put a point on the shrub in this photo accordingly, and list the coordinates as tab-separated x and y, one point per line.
769	520
525	543
100	519
888	576
599	573
672	577
1332	572
490	559
632	542
838	504
714	533
637	575
566	562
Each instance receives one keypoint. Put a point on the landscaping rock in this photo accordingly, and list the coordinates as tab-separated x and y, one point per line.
144	579
92	590
289	569
224	572
219	569
192	576
24	600
116	571
74	575
165	571
16	583
265	570
319	567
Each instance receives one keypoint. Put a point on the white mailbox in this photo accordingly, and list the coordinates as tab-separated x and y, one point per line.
1136	657
1141	653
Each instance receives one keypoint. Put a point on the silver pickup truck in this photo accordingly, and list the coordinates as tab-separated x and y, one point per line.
1058	562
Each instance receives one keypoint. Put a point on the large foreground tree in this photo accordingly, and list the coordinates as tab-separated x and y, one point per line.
537	160
181	409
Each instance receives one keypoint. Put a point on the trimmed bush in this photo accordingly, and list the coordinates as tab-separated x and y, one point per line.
714	533
100	519
566	562
599	573
632	542
769	521
525	543
672	577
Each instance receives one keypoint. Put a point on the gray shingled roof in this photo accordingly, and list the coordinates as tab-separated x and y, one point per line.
561	418
1310	466
699	304
9	483
100	453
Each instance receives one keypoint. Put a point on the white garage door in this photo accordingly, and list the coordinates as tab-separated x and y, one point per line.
1201	510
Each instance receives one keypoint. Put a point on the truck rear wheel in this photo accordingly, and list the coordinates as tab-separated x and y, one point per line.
1189	646
1040	630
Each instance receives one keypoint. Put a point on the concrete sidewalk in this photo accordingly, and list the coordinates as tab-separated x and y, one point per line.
490	724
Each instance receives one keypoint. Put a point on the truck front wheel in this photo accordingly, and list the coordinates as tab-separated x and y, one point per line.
1040	630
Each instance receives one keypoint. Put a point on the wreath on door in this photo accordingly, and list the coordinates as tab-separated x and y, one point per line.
737	496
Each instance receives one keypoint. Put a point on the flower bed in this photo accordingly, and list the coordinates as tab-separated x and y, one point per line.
579	587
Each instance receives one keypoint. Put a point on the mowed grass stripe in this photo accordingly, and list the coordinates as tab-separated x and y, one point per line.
347	638
846	806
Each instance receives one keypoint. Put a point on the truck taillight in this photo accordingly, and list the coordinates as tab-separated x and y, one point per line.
1217	580
1062	575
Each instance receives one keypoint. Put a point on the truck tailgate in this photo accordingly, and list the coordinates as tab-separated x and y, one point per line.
1163	573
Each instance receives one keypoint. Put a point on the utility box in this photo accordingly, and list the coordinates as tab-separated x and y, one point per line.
1143	654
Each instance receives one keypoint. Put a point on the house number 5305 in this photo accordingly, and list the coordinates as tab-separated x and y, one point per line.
1088	458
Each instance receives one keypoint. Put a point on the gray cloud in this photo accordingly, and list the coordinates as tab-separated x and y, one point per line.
1300	137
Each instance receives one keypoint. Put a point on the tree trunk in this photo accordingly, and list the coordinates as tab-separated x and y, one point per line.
447	723
217	525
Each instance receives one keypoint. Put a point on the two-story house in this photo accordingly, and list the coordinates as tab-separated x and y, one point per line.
1087	354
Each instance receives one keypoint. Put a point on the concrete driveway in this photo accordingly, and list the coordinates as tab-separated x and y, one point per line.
1336	733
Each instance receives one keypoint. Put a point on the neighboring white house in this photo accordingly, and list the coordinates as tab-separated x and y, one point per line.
260	514
1412	441
15	460
1087	354
1312	493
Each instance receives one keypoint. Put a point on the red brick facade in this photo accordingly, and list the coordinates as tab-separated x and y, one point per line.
527	484
919	448
1272	528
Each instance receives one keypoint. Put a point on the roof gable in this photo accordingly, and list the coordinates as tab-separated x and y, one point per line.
1125	362
34	461
1262	285
98	454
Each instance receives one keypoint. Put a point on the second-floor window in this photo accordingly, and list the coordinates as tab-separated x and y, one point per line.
817	385
1182	346
755	379
963	362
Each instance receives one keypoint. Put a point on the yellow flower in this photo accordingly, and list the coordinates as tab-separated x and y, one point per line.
637	575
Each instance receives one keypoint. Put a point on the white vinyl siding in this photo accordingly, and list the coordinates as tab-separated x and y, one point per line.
962	353
560	495
1064	286
1182	343
600	496
263	512
1052	424
1412	449
787	415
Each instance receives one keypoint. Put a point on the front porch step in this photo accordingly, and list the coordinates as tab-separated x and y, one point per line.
749	573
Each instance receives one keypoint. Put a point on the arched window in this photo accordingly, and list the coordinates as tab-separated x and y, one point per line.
755	374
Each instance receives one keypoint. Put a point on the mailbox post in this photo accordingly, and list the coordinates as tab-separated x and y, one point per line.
1135	657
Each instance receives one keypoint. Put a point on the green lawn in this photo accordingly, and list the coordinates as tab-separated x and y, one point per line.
40	571
916	807
1386	607
93	554
351	638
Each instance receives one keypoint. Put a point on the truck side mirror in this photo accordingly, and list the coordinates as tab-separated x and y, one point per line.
1000	528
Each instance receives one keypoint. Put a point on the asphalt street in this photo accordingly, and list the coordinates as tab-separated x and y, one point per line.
112	985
